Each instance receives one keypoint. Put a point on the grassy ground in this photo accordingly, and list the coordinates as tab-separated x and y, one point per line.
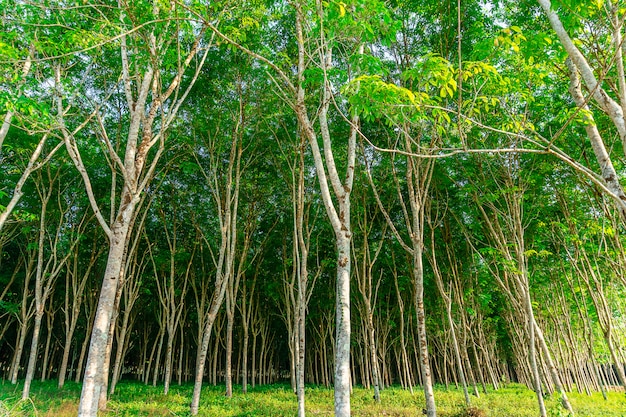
133	399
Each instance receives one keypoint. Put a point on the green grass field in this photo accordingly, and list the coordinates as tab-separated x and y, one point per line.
134	399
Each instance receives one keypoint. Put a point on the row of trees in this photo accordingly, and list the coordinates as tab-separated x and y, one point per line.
450	168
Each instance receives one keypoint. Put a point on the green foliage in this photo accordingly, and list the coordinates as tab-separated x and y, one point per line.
135	399
367	20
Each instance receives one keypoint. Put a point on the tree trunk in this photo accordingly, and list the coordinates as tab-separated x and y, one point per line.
418	276
255	334
85	344
228	376
556	379
203	349
30	373
342	342
105	372
40	300
457	353
119	353
72	311
92	382
374	358
533	356
46	357
157	360
169	354
26	312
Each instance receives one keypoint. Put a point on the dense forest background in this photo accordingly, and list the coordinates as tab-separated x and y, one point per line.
326	192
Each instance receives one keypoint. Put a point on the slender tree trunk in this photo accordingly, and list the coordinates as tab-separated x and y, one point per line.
374	357
204	347
84	346
169	355
532	355
255	333
92	382
418	276
157	360
405	356
229	346
70	327
71	312
457	353
216	352
26	312
556	379
121	342
33	356
244	367
181	351
40	299
105	372
17	356
342	343
619	367
148	372
479	368
301	333
46	357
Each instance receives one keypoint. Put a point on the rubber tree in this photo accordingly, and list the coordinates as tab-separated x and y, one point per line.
23	70
52	255
156	57
503	215
583	70
318	27
222	172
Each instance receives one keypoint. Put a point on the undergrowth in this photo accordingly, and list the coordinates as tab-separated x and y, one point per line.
136	399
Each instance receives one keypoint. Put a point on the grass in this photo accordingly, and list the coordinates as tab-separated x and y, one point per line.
135	399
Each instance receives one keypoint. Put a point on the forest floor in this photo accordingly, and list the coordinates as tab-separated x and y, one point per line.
135	399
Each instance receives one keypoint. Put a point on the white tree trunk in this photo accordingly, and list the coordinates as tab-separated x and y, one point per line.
203	349
342	319
418	276
32	357
92	382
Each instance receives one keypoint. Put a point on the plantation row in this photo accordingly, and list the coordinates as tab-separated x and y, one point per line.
133	399
334	193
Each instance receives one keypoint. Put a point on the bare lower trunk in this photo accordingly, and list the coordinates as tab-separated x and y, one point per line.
342	343
26	313
148	364
30	372
418	271
374	358
157	361
457	352
83	351
46	353
104	389
203	349
17	357
244	367
556	379
119	354
254	370
229	354
532	354
92	384
181	353
301	357
619	367
66	356
169	352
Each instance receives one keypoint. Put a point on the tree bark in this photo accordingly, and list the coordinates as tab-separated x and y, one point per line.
92	383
